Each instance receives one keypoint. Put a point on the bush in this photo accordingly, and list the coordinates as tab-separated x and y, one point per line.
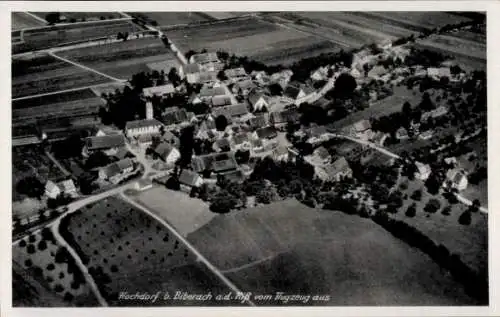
114	268
31	249
42	245
59	288
411	211
22	243
432	206
465	218
32	238
28	263
51	267
68	297
417	195
38	272
446	210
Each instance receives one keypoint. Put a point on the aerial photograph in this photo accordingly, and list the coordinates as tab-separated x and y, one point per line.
293	158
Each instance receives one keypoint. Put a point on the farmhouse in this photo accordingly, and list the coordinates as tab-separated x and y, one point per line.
189	179
145	140
243	87
258	100
206	92
219	101
423	171
240	141
236	74
191	72
457	178
280	153
362	129
53	190
230	111
138	127
259	121
204	58
115	171
281	118
335	171
161	91
109	144
297	93
216	162
173	117
207	77
437	73
265	133
167	152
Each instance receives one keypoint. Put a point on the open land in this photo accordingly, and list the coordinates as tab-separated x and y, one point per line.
177	208
45	74
122	59
51	36
84	16
56	279
138	254
288	247
21	20
258	39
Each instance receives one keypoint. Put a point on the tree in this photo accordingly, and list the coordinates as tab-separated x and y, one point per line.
426	103
223	202
411	211
417	195
28	263
68	297
51	267
31	249
221	75
432	206
446	210
114	268
53	17
264	196
59	288
31	187
465	218
173	183
242	157
42	245
173	76
97	159
221	123
345	85
186	145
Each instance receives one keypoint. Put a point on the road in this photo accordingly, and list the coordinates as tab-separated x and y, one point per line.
56	162
200	257
60	91
382	150
88	278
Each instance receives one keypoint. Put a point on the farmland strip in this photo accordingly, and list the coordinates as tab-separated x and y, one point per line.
87	68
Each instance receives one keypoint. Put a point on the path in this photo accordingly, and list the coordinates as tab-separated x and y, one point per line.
56	162
36	17
88	278
200	257
87	68
68	23
141	158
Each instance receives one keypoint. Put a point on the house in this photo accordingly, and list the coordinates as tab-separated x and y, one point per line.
457	178
402	134
236	74
230	111
439	72
123	153
362	129
167	152
204	58
257	145
170	138
221	145
265	133
145	140
191	72
420	72
297	93
320	74
423	171
68	187
426	135
216	162
260	120
258	100
219	101
316	134
194	99
52	190
149	110
241	141
143	184
190	179
377	72
243	87
334	171
207	77
173	117
161	91
115	171
280	153
281	118
109	144
138	127
207	93
322	155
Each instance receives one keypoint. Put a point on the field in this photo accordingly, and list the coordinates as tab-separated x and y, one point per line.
173	18
469	242
258	39
43	38
84	16
21	20
224	15
53	279
31	160
184	213
122	59
468	48
45	74
136	253
288	247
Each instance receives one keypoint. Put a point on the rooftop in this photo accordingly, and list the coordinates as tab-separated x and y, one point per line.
105	142
159	90
188	177
137	124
